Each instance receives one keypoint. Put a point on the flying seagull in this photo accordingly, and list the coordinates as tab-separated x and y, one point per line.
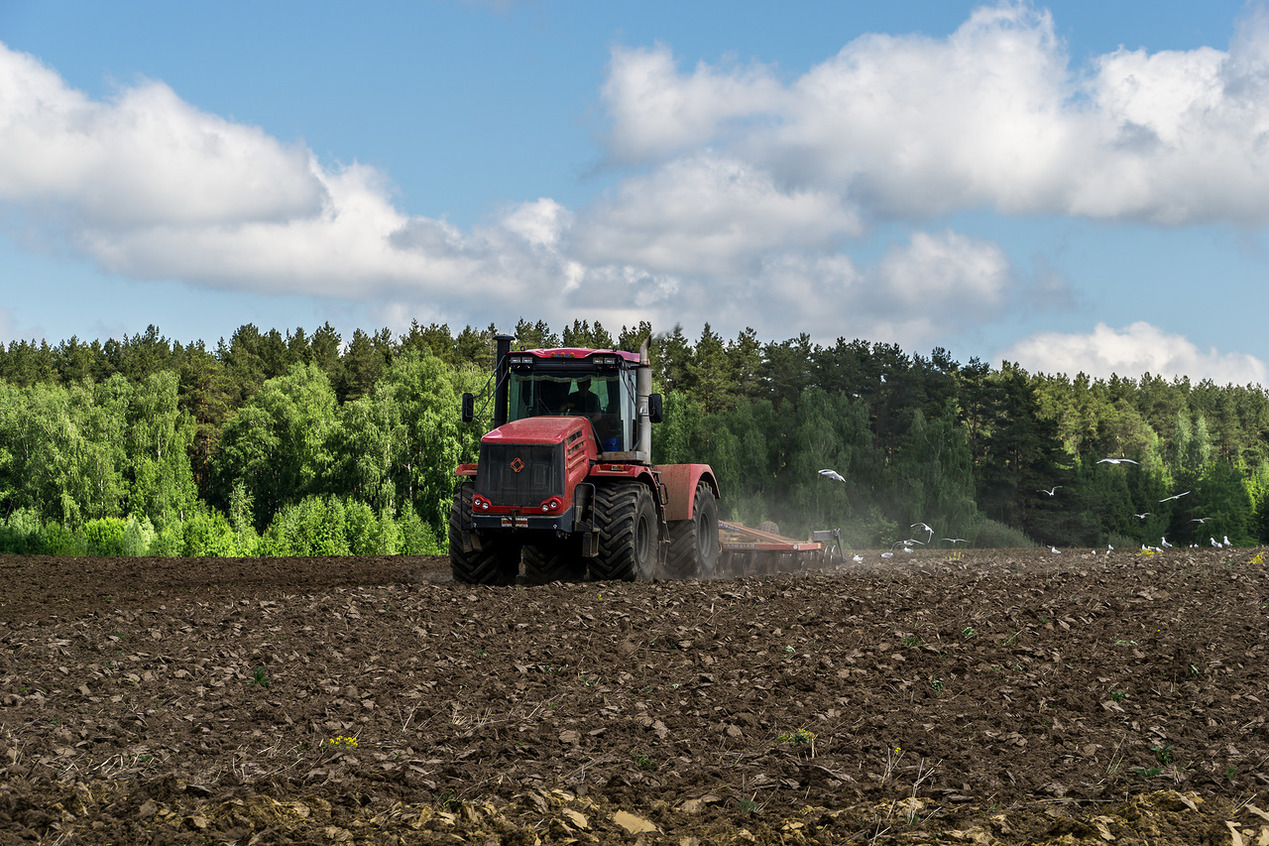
1142	516
1118	461
834	475
953	540
1178	496
922	526
1200	519
1051	491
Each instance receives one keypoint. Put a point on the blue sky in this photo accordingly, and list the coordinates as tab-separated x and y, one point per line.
1080	187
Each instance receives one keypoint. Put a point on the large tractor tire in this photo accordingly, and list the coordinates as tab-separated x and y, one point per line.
496	562
626	522
694	546
554	560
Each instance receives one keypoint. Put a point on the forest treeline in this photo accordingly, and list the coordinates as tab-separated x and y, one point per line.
306	444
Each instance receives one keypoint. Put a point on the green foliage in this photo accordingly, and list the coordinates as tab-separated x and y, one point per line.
138	536
277	444
994	535
20	533
169	541
417	536
104	536
56	539
163	438
208	534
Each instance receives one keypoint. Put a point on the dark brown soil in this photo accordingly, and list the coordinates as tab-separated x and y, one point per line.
984	697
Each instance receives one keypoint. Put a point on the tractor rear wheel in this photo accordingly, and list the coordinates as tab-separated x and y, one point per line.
694	547
626	522
495	562
554	560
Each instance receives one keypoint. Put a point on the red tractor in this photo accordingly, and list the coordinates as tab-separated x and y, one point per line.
565	480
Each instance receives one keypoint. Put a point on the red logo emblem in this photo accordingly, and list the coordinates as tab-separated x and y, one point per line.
517	465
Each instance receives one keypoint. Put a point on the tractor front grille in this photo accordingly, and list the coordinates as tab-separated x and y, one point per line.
520	475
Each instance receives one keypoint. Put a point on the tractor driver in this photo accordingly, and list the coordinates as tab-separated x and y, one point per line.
582	401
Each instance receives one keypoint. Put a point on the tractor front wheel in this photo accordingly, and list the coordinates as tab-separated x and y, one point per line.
626	522
491	561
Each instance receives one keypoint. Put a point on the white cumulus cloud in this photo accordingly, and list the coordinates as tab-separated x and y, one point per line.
992	115
146	157
709	215
1132	352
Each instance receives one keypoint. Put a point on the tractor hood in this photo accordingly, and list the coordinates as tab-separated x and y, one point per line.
540	430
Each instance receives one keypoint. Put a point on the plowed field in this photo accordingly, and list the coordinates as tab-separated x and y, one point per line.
1014	696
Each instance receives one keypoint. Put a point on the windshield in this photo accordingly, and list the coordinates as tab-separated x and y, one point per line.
606	398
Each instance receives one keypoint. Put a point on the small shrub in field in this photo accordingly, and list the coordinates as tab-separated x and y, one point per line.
168	542
994	535
138	536
104	536
314	526
56	539
417	537
387	538
20	533
209	535
361	529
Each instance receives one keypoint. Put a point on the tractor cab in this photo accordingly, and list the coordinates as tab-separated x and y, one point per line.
598	385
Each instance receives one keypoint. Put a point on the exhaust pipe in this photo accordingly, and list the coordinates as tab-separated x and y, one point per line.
502	346
643	390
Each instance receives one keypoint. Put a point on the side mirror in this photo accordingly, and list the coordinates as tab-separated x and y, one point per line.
469	408
655	411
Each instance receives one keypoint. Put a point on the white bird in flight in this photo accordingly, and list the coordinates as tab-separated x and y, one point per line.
1199	519
922	526
1142	516
954	540
1051	491
1118	461
1178	496
834	475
